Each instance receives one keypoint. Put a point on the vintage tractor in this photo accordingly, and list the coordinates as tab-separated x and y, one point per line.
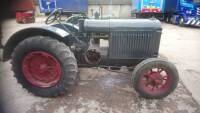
45	60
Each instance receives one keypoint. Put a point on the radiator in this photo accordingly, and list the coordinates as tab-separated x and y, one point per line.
134	44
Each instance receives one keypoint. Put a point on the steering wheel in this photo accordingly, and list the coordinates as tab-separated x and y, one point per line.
54	15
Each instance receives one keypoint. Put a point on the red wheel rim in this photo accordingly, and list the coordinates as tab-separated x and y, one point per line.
155	81
41	69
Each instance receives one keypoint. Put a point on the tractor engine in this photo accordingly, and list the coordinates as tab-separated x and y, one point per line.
116	39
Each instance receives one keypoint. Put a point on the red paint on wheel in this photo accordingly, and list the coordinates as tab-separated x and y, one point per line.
41	69
155	81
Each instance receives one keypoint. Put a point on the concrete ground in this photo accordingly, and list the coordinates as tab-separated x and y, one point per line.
102	91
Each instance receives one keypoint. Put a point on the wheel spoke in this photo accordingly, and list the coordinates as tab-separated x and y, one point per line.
160	70
157	86
151	71
148	83
164	78
153	86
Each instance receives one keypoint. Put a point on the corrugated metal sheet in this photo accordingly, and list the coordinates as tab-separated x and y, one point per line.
109	2
134	44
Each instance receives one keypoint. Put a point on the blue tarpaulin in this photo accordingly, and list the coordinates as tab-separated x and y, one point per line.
67	5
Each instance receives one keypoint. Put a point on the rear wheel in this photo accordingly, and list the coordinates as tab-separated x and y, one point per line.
44	66
155	78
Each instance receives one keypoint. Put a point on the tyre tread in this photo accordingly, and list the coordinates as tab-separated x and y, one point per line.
62	52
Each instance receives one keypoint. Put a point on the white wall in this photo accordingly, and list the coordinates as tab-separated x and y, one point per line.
37	12
113	11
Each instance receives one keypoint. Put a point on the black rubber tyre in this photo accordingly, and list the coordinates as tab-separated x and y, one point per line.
60	51
181	22
144	66
167	19
171	20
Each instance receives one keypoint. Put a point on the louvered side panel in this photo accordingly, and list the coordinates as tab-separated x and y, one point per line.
133	44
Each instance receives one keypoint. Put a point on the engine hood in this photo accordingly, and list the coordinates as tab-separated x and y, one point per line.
91	25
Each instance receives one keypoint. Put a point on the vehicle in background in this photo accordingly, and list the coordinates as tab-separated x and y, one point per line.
182	12
147	7
24	11
68	6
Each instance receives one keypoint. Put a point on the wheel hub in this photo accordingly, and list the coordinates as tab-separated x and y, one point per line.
155	78
41	69
155	81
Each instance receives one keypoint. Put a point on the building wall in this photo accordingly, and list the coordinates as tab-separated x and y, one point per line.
110	8
107	2
110	11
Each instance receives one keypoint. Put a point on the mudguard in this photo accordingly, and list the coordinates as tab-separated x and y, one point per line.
71	27
19	36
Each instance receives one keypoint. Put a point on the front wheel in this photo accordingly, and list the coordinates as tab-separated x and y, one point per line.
155	78
44	66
